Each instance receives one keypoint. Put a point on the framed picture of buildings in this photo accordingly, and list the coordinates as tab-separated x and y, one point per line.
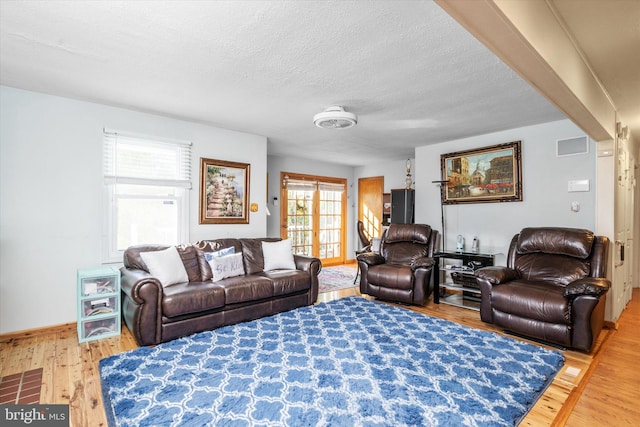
483	175
224	192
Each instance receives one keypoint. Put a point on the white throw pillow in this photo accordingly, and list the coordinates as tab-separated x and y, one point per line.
226	266
217	254
278	255
166	266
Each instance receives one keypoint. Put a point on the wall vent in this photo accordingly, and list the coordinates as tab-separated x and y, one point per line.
572	146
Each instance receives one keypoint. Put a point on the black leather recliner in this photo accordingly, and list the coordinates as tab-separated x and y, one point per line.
553	288
402	271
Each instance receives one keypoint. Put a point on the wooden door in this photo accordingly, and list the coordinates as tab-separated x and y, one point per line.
370	204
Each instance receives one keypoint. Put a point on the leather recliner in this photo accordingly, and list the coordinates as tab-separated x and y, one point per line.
553	288
402	271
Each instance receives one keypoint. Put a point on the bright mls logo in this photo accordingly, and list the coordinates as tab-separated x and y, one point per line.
35	415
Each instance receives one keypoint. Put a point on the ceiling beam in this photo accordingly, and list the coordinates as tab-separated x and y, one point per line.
528	36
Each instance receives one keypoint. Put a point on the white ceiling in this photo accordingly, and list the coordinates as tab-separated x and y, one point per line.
408	70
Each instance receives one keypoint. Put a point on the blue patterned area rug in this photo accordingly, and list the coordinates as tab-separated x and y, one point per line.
348	362
336	278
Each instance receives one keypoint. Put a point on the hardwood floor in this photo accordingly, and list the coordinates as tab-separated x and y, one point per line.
612	395
608	376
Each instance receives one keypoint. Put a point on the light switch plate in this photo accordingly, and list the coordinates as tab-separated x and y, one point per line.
578	185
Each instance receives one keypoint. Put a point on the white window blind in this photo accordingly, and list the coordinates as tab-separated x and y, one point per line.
328	186
147	182
303	185
131	159
300	185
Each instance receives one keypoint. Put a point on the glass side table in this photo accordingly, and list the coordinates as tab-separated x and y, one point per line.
459	286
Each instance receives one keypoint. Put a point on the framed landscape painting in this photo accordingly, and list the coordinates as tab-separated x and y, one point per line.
488	174
224	192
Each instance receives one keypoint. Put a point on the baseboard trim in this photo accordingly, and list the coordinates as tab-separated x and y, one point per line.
333	264
30	333
610	325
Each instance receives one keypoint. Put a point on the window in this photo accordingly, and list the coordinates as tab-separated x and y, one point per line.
147	183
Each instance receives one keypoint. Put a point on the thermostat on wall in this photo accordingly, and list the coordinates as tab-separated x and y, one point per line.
578	185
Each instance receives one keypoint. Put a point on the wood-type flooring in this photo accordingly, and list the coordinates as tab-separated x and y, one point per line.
597	389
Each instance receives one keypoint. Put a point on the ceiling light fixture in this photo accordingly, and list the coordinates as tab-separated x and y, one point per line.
335	118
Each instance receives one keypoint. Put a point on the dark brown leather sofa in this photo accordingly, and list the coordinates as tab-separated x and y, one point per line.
402	270
553	288
155	314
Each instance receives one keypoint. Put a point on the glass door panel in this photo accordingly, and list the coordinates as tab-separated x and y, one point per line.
330	225
300	221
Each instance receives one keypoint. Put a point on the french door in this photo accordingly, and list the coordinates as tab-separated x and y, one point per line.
312	212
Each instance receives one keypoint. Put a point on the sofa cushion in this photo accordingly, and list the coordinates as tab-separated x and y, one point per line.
556	269
556	240
287	282
226	266
195	297
278	255
252	250
391	276
189	258
531	300
404	253
166	266
415	233
205	268
242	289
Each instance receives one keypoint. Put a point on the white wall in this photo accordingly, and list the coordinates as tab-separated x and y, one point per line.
393	171
546	201
277	164
51	198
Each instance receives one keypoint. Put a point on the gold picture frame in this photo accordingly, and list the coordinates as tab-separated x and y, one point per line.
224	192
483	175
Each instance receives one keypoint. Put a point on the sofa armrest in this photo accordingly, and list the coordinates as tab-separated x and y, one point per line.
486	278
312	266
497	275
305	263
142	305
422	262
132	280
593	286
371	258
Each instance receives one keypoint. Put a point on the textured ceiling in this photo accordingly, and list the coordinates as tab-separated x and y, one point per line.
408	70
